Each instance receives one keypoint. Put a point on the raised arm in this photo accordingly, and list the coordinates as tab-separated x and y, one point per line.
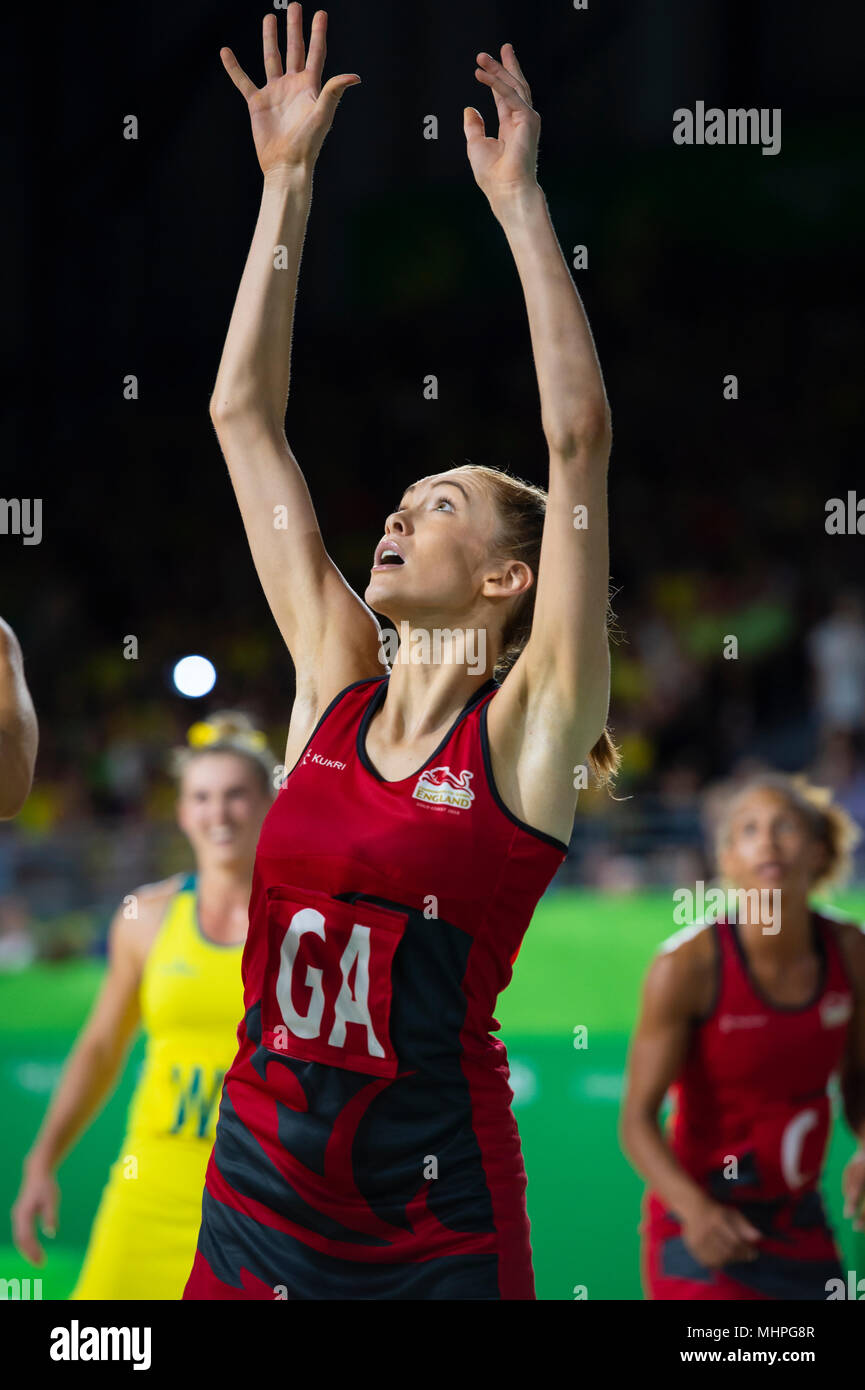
19	733
332	636
552	709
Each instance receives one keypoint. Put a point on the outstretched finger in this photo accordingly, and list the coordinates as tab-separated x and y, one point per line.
24	1233
510	61
295	56
331	93
487	63
507	98
473	126
243	83
269	40
49	1213
317	46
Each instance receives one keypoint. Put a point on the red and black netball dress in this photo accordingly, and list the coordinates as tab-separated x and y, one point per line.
365	1146
751	1124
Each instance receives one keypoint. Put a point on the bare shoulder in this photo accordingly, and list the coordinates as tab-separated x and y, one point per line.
533	759
137	920
682	975
316	691
9	644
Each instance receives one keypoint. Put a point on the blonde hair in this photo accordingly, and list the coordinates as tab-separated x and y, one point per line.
226	731
521	508
828	823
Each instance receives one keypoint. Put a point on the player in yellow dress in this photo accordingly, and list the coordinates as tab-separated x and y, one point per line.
174	969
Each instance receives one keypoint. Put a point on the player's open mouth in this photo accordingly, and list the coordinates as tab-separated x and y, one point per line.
772	868
386	556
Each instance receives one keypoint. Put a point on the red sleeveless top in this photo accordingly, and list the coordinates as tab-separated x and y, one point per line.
367	1113
751	1121
755	1081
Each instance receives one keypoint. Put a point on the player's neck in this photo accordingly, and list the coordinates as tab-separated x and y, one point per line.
786	936
424	698
223	887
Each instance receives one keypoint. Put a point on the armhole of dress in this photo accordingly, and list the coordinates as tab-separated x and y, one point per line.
494	791
831	943
366	680
189	881
699	1019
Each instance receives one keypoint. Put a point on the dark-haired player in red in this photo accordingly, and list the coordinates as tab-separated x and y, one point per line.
747	1021
365	1146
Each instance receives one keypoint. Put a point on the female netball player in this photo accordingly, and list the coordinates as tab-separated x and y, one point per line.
174	967
365	1145
19	732
747	1020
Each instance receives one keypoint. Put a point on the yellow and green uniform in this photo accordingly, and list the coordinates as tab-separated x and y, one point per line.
143	1240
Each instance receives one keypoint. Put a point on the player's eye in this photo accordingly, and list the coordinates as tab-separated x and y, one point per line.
441	499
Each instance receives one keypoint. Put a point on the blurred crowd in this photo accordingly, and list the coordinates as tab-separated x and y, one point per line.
740	629
713	681
711	678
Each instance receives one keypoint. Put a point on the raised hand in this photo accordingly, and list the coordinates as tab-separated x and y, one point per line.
509	162
292	113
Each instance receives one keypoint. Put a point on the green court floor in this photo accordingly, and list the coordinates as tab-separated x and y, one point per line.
581	965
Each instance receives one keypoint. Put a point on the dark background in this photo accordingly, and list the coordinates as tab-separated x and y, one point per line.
124	257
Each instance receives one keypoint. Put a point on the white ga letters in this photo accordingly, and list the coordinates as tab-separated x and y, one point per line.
349	1007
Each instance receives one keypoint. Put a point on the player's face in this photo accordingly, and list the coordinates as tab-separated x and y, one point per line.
441	533
769	845
220	809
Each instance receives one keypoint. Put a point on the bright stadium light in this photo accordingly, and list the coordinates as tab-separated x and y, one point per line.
194	676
